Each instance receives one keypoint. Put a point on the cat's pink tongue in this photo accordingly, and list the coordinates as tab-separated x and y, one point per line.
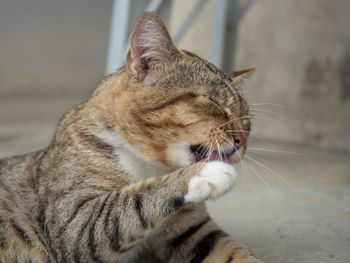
214	156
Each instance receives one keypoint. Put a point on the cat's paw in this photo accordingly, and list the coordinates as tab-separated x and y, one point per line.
214	180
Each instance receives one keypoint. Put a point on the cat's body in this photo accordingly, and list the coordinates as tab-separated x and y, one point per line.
125	178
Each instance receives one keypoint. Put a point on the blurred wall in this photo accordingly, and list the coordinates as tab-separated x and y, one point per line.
301	50
51	46
52	55
197	37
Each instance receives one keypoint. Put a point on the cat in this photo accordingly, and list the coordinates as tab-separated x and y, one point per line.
127	173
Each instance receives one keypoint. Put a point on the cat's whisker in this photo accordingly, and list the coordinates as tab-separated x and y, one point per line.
278	201
266	168
220	153
263	181
206	150
237	131
234	146
253	106
265	118
276	174
250	135
261	159
271	112
201	147
219	149
206	153
234	119
244	168
211	150
262	117
222	136
276	151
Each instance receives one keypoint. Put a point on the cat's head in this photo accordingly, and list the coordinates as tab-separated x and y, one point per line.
177	108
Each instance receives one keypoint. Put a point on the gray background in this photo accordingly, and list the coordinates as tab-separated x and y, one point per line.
53	54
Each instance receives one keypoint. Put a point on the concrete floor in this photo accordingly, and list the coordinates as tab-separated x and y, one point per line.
300	213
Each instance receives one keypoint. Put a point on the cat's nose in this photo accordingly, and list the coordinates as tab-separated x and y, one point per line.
238	141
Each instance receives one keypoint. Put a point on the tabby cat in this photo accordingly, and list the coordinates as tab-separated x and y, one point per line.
127	173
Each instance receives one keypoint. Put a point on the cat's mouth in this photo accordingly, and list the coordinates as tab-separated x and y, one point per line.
202	153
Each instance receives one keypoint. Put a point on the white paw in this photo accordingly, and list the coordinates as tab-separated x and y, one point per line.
215	179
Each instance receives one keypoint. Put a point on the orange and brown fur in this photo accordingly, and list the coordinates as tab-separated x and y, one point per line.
127	173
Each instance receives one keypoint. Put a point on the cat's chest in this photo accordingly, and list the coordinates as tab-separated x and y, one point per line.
138	168
131	161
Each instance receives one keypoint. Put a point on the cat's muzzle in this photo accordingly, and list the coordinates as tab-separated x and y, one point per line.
204	154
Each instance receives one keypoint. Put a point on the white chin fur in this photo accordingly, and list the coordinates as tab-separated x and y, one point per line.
180	154
236	156
131	161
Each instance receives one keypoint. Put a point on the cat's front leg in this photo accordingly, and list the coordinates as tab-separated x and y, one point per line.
147	204
225	250
150	203
192	236
186	233
105	227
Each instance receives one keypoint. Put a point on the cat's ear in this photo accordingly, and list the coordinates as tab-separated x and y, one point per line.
238	76
150	43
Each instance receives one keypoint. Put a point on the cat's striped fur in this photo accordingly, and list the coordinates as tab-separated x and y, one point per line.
119	183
